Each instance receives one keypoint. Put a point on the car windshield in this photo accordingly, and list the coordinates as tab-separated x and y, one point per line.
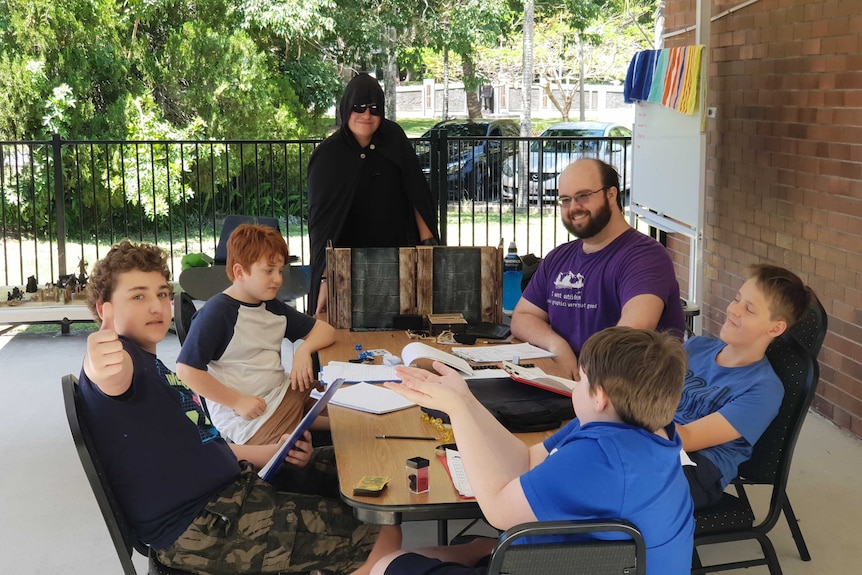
568	146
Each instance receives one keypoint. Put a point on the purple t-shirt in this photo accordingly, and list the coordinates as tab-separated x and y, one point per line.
585	293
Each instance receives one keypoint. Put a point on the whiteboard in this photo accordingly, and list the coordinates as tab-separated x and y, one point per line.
667	162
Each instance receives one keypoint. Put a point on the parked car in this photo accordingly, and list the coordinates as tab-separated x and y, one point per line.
572	141
475	157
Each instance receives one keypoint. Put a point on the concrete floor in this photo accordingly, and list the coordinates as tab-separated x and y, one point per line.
50	522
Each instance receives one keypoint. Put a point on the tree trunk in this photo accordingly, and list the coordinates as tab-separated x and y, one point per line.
445	83
581	72
468	72
526	105
390	76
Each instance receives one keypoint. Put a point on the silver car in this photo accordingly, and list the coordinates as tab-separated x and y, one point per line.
566	143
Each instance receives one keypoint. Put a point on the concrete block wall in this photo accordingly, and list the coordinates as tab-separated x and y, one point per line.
784	166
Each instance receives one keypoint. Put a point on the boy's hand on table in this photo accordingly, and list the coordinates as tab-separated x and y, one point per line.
301	376
104	348
444	392
249	407
300	455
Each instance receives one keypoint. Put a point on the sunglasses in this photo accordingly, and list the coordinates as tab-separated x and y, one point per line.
373	108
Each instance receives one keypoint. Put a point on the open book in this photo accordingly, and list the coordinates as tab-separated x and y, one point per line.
536	377
267	472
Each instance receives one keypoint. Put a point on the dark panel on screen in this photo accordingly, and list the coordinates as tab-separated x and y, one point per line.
458	283
375	287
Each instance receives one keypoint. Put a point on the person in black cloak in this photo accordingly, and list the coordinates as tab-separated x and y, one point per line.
365	185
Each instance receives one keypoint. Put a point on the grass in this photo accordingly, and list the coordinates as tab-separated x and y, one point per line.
467	224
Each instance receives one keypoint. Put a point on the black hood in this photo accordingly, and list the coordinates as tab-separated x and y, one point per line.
362	89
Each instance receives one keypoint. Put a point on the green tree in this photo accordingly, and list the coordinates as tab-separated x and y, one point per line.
53	54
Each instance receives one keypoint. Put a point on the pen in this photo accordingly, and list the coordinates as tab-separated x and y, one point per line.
496	342
407	437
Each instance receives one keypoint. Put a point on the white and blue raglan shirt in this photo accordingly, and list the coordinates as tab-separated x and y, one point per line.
240	345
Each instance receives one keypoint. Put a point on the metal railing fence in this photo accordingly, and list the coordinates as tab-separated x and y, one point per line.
64	202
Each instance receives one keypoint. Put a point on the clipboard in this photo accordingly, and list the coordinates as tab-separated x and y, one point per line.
268	471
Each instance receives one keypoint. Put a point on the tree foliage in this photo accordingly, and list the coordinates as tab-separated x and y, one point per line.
254	69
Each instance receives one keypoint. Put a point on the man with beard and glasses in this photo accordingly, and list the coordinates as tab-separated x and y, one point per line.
611	275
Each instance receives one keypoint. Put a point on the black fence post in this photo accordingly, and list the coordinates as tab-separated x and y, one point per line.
439	158
59	202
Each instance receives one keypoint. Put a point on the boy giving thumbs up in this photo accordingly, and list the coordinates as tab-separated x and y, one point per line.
177	481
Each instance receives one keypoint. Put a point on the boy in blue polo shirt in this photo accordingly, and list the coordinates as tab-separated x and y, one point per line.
731	393
618	459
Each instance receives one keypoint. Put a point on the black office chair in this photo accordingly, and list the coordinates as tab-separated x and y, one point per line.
203	283
732	519
121	533
579	557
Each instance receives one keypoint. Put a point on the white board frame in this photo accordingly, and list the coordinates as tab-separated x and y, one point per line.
680	140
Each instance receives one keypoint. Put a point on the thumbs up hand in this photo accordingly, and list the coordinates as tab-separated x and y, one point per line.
105	355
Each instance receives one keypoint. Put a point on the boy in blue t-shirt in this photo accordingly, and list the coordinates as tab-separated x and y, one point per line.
731	393
232	355
618	459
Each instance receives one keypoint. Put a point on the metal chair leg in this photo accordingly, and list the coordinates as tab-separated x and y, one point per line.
795	530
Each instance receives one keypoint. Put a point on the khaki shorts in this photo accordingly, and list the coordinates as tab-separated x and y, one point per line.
294	405
251	527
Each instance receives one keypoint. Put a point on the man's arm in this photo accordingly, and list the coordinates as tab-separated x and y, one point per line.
642	311
707	431
107	364
201	382
531	323
493	458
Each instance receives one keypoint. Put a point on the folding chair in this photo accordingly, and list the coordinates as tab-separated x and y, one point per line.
581	556
121	533
732	519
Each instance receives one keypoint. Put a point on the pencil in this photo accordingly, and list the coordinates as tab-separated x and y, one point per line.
419	438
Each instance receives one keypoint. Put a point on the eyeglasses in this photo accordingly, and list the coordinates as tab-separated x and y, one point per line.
373	108
581	199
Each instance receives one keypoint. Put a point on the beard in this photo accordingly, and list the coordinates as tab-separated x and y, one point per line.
595	223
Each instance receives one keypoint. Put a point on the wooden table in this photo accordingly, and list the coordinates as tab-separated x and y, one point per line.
359	453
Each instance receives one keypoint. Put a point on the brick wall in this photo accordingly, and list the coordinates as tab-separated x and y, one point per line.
784	166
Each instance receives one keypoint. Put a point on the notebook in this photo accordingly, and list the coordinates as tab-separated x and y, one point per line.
370	398
268	471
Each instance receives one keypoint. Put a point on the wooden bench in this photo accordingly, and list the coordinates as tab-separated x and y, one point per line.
33	312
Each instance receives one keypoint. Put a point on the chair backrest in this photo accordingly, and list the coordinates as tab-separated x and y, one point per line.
771	456
811	330
230	224
793	357
119	529
580	556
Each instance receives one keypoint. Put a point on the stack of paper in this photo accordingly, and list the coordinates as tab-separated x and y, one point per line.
504	352
356	372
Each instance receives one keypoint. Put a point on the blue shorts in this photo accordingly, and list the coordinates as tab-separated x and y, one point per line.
415	564
704	481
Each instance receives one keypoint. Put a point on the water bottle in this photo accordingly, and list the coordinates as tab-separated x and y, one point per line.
512	273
